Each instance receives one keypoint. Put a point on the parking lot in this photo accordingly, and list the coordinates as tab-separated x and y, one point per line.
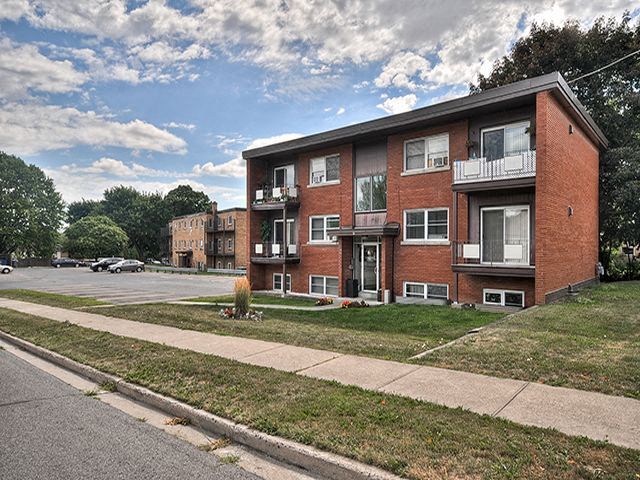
120	289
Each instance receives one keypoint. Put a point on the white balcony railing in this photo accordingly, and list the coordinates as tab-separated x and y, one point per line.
521	165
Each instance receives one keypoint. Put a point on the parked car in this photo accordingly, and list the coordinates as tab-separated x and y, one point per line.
153	261
6	268
127	266
67	262
105	263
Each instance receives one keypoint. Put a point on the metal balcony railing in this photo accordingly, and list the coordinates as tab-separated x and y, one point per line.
274	250
521	165
510	253
270	194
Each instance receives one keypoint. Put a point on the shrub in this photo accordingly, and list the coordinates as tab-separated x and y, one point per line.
324	301
242	295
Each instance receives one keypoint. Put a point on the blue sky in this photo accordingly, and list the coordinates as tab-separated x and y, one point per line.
160	93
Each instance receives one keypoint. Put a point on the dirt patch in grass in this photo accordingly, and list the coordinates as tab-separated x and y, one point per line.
590	342
405	436
51	299
392	332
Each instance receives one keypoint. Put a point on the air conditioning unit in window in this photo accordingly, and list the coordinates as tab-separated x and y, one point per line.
317	177
440	162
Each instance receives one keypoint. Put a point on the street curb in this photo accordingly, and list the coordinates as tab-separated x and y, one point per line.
316	461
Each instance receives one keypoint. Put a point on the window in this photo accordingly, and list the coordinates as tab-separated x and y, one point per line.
219	222
325	170
230	220
322	228
504	235
219	245
229	266
284	176
371	193
277	282
503	298
426	225
506	140
229	244
429	153
323	285
429	291
278	232
219	264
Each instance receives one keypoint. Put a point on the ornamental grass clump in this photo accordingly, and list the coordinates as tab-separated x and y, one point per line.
242	296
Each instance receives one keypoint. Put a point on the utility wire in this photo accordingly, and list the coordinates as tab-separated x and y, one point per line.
605	67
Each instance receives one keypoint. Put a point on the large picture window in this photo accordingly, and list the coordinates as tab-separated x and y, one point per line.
426	225
428	153
319	285
371	193
505	141
505	235
325	170
321	228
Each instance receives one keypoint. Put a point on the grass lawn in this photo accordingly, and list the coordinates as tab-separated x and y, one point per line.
589	342
411	438
394	332
261	299
51	299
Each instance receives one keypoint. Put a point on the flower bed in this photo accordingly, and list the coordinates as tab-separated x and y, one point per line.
231	314
354	304
321	302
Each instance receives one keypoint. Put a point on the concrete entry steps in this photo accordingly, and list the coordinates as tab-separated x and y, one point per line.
574	412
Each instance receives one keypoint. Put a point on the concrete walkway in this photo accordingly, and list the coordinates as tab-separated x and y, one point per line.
574	412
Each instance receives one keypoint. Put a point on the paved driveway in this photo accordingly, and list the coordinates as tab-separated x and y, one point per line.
120	289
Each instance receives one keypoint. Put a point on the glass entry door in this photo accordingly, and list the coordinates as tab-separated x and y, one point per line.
370	267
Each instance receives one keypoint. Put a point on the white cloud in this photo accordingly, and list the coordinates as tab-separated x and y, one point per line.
117	168
401	69
398	104
31	128
23	68
263	142
340	111
232	168
182	126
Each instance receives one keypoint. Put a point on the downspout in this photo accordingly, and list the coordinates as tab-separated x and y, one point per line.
455	245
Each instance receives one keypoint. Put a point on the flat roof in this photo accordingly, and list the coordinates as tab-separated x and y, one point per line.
519	91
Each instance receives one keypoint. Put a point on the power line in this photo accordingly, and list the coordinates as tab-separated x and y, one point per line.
605	67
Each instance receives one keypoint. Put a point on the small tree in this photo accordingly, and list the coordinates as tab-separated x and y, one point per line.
95	236
242	296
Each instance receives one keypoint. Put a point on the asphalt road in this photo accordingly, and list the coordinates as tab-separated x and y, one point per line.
123	288
50	430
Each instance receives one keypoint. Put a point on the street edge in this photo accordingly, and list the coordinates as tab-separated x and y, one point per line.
316	461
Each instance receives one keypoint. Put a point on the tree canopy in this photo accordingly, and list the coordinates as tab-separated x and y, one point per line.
611	96
32	210
184	200
95	236
81	209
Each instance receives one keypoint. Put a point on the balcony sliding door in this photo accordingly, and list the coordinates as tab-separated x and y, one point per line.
505	235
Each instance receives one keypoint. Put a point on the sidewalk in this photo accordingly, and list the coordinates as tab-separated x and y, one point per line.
574	412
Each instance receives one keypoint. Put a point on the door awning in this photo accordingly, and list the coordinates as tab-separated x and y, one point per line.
391	229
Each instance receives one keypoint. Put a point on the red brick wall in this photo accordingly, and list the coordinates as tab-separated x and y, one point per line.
471	286
566	176
422	263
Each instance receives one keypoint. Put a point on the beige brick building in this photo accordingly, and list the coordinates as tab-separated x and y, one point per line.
214	239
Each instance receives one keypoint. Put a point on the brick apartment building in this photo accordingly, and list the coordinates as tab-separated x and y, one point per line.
215	239
490	198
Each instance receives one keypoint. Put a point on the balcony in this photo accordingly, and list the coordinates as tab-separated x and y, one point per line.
273	253
276	198
496	259
507	172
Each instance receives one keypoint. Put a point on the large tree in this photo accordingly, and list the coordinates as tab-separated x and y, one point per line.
184	200
81	209
95	236
611	96
31	210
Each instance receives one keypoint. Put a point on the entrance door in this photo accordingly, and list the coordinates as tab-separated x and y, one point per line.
370	267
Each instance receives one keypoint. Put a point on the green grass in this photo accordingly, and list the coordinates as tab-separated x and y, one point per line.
51	299
407	437
261	299
589	342
394	332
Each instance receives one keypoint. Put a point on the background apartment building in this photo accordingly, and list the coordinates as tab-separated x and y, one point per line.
490	198
214	239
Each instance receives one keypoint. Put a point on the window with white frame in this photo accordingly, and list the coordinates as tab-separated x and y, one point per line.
505	140
426	225
321	228
429	291
325	170
427	153
503	298
504	234
230	220
277	282
320	285
219	264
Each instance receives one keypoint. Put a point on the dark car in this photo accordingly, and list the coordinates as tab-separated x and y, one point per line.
105	263
67	262
127	266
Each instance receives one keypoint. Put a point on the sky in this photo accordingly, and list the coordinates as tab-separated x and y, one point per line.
159	93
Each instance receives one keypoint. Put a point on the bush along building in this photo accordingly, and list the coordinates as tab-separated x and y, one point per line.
487	199
214	239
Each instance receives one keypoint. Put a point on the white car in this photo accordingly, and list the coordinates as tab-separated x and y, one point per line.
6	268
127	266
